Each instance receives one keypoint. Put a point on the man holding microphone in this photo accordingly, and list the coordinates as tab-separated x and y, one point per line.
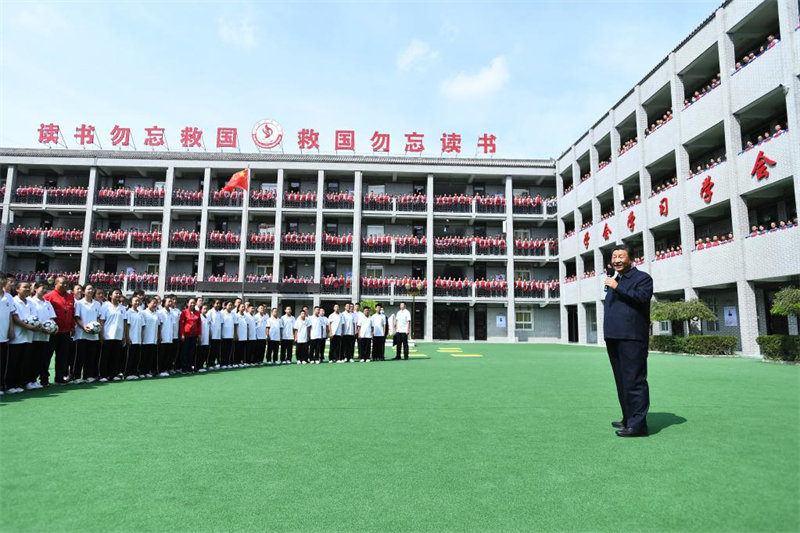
626	327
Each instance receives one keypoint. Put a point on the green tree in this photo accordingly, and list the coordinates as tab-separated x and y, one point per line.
786	302
680	311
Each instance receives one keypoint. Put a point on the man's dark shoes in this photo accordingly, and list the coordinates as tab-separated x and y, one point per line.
618	425
630	432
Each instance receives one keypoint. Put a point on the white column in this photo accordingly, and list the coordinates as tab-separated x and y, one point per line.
11	179
166	221
358	187
87	226
319	229
511	322
244	229
429	259
276	255
201	261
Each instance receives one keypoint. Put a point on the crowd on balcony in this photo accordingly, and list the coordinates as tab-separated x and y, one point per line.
142	281
606	215
297	279
638	260
713	240
145	239
627	204
537	246
261	241
298	241
376	244
772	227
758	140
376	285
490	245
223	278
222	198
376	202
31	236
664	186
339	200
569	233
67	195
495	287
183	238
410	244
224	239
99	278
490	204
668	251
454	203
337	243
627	145
263	198
412	202
258	278
110	238
114	196
452	286
307	199
603	164
588	274
181	283
532	288
570	279
45	277
418	284
755	53
568	188
666	117
182	197
148	197
699	169
332	284
534	205
698	94
585	177
586	225
28	195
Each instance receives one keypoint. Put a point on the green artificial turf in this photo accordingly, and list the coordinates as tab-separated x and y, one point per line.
516	440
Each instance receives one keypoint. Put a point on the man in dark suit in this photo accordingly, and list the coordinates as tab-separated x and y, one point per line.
626	327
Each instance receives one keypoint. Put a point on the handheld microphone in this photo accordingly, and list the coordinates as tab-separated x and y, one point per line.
611	273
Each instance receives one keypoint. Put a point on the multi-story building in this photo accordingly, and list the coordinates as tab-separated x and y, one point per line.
705	145
158	222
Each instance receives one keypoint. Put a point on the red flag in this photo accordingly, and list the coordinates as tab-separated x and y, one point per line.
240	180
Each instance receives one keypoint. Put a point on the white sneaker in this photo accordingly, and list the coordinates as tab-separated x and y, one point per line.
38	385
90	380
149	375
202	371
77	381
164	375
12	391
368	360
216	367
142	376
117	378
172	372
103	380
131	378
30	386
2	392
363	360
350	361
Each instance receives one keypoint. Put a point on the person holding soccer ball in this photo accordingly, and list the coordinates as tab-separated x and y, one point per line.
87	337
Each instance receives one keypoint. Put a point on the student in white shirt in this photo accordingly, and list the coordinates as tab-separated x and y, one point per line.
240	349
252	340
113	315
7	309
301	337
87	344
166	346
364	333
348	333
402	325
151	332
201	361
335	335
287	336
314	334
323	336
228	331
134	322
378	333
273	337
37	367
21	344
215	335
260	320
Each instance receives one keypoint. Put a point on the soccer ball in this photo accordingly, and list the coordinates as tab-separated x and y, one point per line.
50	326
32	320
94	327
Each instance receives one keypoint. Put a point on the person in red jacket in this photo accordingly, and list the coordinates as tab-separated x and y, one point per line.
189	333
63	304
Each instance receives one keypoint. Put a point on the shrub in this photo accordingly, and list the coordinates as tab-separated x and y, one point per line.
786	302
780	347
711	344
667	343
680	310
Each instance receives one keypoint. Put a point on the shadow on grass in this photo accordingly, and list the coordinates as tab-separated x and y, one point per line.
658	421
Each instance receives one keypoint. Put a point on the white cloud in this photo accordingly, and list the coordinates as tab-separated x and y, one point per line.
486	81
417	54
239	33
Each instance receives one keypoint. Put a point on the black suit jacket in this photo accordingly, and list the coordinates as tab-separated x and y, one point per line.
627	308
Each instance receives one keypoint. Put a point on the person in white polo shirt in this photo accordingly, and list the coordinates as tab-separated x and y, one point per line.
21	345
315	334
42	348
251	356
87	344
151	332
273	337
203	347
227	319
215	335
378	333
287	336
240	347
166	348
335	335
364	333
7	309
260	319
348	333
301	337
113	316
402	325
134	323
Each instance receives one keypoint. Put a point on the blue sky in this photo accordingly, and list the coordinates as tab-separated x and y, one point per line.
535	74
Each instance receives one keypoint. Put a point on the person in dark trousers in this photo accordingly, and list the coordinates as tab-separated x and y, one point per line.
402	325
273	337
364	334
287	336
189	331
64	305
626	326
